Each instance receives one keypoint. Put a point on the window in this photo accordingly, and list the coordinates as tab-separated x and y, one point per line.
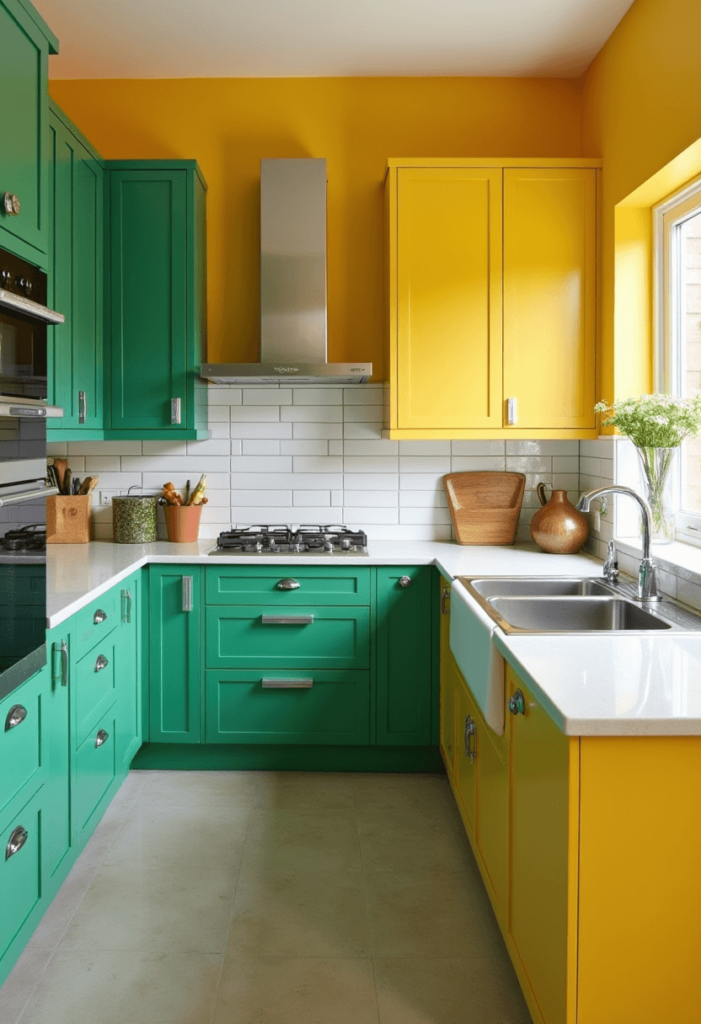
678	335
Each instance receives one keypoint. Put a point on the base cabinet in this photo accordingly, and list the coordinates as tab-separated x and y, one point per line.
176	609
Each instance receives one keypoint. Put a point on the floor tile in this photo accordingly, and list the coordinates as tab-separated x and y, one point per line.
421	846
296	991
428	797
21	983
448	991
65	903
313	913
199	789
128	908
301	841
415	914
304	791
125	988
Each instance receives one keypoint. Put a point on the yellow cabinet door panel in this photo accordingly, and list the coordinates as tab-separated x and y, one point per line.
449	266
538	855
465	750
492	824
550	296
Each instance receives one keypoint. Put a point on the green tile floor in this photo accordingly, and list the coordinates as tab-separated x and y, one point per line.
270	898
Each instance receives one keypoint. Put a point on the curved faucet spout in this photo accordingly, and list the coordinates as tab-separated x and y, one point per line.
647	584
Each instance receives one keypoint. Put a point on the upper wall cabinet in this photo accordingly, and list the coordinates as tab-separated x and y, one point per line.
75	282
157	299
492	299
25	45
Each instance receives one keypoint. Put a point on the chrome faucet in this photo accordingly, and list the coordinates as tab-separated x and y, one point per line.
611	564
647	581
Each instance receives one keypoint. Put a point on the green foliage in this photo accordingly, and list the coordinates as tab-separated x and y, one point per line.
654	421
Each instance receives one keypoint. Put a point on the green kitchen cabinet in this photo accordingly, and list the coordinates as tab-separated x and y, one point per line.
405	659
25	45
56	805
76	283
129	669
175	602
157	300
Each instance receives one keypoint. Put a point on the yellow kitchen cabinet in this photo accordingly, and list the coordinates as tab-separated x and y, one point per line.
491	296
466	746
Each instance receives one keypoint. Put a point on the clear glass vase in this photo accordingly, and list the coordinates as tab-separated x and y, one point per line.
655	465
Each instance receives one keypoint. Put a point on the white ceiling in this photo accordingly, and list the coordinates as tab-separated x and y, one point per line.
299	38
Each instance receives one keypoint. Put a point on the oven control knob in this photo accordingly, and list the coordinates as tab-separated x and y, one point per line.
11	204
5	277
345	544
25	285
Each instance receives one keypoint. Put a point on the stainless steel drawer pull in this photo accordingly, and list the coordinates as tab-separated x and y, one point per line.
101	663
288	684
511	412
128	601
175	411
187	593
11	204
99	616
288	584
287	620
82	407
16	841
101	738
15	717
64	663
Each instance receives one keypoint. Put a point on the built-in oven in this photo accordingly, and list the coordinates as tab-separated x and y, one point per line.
23	488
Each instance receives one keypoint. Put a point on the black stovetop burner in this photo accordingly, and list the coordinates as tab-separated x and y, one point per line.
25	540
294	540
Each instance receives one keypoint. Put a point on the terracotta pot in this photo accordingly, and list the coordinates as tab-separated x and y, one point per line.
558	527
183	523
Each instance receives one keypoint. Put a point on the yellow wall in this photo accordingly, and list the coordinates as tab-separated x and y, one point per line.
229	124
641	108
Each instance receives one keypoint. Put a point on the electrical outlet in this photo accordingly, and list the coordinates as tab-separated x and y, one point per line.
106	497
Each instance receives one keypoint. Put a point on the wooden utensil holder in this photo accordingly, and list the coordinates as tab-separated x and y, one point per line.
485	506
68	519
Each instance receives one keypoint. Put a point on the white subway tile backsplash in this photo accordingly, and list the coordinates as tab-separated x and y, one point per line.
218	414
370	499
101	463
261	431
375	447
424	516
224	396
305	447
261	464
423	447
312	431
566	464
421	482
362	413
241	496
542	448
295	481
478	463
335	447
267	396
310	498
259	448
318	396
364	396
370	481
363	431
184	463
527	464
173	449
104	447
154	481
369	515
424	464
371	464
318	464
478	447
312	414
214	446
423	499
255	414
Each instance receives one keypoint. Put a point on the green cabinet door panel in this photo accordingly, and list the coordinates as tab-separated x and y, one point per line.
287	585
22	753
156	293
404	655
95	685
129	669
283	706
56	792
175	644
76	282
24	51
308	636
21	871
95	770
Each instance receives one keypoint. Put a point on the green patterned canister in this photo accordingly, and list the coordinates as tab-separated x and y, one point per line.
134	519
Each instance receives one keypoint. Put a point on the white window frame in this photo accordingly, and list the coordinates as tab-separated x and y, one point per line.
667	216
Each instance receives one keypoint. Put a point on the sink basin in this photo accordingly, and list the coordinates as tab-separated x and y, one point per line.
538	587
577	615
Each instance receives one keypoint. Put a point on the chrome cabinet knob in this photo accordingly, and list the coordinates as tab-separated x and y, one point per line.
99	616
15	717
517	704
405	581
101	738
101	663
288	584
16	841
11	204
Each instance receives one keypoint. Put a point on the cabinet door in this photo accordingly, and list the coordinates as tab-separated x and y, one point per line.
448	693
75	347
550	296
175	605
449	298
404	656
492	820
56	797
148	297
540	845
23	167
466	749
129	671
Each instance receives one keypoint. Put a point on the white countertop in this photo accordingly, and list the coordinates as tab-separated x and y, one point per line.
593	685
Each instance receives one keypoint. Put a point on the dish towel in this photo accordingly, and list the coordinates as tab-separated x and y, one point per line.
478	659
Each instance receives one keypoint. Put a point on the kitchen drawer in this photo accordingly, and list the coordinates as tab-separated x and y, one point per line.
288	707
96	685
20	872
96	621
257	584
95	768
20	738
307	637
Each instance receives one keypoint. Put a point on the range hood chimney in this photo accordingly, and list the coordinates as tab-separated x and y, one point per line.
292	284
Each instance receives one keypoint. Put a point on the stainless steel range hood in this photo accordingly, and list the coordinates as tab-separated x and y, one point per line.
292	284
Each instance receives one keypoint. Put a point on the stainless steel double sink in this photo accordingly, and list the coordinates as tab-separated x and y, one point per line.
519	604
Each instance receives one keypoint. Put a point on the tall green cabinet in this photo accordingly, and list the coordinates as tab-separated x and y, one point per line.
75	282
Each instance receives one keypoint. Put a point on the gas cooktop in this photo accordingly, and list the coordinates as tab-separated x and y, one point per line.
26	543
291	540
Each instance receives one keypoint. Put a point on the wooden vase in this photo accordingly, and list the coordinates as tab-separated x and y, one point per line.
558	527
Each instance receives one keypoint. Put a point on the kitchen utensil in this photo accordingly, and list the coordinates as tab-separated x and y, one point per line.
558	527
134	518
75	487
183	522
67	481
485	506
60	466
198	494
